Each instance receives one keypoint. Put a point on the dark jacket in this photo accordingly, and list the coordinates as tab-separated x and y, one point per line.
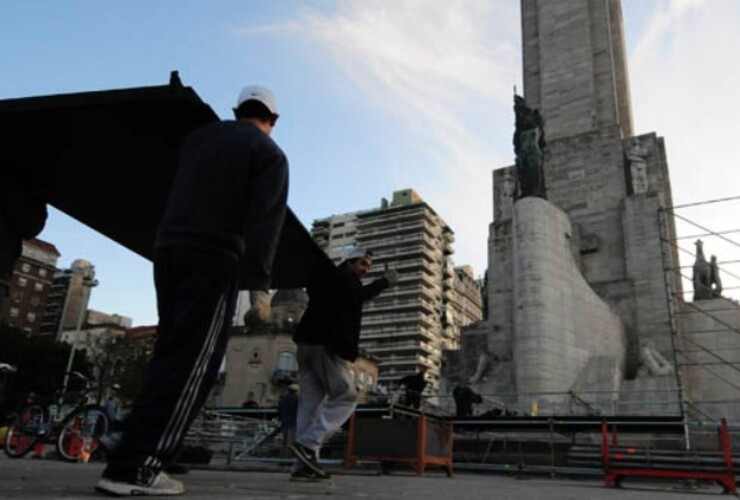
22	216
229	196
465	398
334	314
415	382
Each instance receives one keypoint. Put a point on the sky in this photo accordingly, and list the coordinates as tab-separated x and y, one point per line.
381	95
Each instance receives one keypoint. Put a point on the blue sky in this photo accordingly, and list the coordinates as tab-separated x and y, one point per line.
375	96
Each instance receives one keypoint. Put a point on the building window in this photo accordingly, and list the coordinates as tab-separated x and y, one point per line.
42	272
22	281
39	287
35	300
13	312
287	361
26	267
31	317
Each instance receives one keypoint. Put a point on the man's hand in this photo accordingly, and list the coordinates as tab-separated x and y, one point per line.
392	277
259	312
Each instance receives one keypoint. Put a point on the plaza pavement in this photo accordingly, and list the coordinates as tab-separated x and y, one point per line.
49	478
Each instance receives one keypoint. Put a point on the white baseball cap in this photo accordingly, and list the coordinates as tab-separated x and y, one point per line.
358	253
259	94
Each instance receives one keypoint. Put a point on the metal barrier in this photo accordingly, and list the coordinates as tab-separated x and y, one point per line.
233	436
503	442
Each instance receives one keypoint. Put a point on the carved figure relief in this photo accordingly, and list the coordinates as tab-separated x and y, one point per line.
480	369
636	155
652	362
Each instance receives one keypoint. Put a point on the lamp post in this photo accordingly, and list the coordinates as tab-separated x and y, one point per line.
87	283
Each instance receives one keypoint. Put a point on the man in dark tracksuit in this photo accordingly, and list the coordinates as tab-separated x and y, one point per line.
224	213
327	337
465	398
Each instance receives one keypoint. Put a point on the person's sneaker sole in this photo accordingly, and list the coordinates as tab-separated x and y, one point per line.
308	461
303	457
121	489
304	479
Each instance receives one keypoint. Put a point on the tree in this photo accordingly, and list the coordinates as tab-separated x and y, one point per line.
128	371
41	364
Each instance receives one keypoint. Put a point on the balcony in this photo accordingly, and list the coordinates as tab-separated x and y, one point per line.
402	346
391	319
389	241
383	351
391	374
393	360
396	305
399	252
282	376
385	334
378	217
398	227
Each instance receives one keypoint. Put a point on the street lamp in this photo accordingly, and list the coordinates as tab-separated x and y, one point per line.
87	283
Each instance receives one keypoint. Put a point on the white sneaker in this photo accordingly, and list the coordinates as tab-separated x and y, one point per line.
160	485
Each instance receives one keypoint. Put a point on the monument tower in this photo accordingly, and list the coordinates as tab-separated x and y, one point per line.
576	282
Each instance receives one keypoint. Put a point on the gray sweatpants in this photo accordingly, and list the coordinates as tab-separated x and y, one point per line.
327	395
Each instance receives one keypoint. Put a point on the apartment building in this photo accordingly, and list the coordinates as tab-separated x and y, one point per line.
66	303
30	285
410	324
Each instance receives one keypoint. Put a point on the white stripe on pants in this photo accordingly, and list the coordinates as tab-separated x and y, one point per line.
327	395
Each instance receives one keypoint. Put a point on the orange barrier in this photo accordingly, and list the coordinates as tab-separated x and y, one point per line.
625	462
419	441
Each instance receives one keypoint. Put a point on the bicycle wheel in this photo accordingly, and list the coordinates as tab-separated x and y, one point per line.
25	431
80	433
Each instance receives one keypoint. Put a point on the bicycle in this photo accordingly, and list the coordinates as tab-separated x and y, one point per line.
75	433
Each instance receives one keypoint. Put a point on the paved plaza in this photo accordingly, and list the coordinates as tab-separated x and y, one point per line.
28	478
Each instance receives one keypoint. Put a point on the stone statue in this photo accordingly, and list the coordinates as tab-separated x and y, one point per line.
636	155
529	146
715	282
702	274
480	369
652	362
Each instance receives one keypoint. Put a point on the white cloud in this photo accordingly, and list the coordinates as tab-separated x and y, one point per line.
444	70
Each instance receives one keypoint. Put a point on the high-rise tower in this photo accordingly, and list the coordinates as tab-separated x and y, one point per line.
410	324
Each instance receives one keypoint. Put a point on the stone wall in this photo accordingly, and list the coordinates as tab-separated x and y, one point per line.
250	363
560	322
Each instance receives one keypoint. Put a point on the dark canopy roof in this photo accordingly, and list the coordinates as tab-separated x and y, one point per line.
108	159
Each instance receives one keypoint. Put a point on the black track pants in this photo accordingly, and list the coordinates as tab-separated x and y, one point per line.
196	294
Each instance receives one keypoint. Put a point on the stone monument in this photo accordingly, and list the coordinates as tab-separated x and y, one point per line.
577	293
